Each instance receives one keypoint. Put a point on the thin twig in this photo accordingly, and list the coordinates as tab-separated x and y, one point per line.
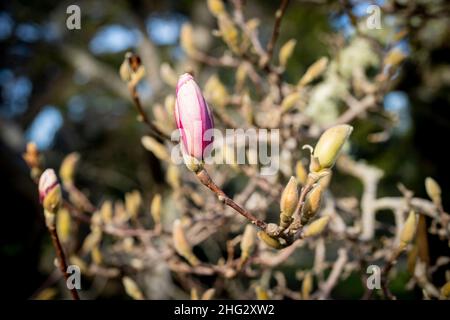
62	264
206	180
276	28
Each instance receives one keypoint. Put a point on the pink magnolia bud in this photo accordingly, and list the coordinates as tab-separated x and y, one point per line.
193	117
47	182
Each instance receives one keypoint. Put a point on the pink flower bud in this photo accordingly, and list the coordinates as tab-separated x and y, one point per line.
47	182
193	117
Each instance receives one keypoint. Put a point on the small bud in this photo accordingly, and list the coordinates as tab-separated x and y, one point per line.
155	208
409	229
241	75
445	290
229	33
314	71
247	243
181	244
288	203
187	39
301	173
216	7
173	177
312	204
31	155
96	255
208	294
289	101
330	144
316	227
131	70
50	191
168	75
158	149
215	92
106	212
394	57
307	286
63	222
194	294
261	293
68	167
433	190
286	52
132	289
133	202
271	242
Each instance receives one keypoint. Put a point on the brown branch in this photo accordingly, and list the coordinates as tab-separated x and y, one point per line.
276	28
62	264
206	180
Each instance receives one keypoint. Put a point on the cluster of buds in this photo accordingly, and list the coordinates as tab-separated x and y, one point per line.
194	121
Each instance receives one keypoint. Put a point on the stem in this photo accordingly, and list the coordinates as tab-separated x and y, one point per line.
385	273
61	259
276	28
206	180
137	102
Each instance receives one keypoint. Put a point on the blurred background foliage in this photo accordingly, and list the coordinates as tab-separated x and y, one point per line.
61	89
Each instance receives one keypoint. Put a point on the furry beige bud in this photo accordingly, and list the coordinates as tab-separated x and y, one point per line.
132	289
409	230
312	204
68	167
155	208
314	71
270	241
286	52
288	203
247	242
330	145
316	227
433	190
181	244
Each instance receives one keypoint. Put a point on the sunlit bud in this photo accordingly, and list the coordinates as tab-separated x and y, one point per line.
261	293
181	244
307	286
445	290
316	227
155	208
63	222
194	119
31	155
433	190
168	75
314	71
208	294
286	52
409	230
132	289
169	104
330	144
50	191
312	204
173	177
194	294
106	211
241	75
288	203
187	39
91	240
216	7
394	57
289	101
158	149
301	173
270	241
215	92
229	33
247	242
131	70
68	167
96	255
133	202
